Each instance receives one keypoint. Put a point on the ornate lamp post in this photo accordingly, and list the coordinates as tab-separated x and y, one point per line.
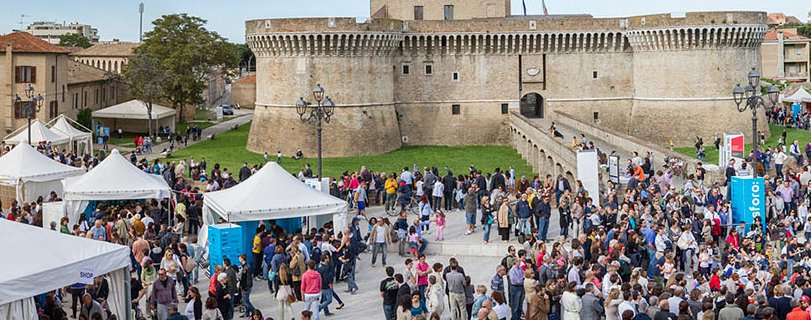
31	106
750	98
322	110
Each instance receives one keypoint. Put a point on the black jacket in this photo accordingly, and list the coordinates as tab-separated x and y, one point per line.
498	181
244	173
450	183
245	278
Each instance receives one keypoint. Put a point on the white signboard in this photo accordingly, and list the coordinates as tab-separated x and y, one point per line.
614	169
86	275
588	173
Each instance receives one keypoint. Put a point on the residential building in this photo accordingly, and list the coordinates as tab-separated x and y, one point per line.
785	56
110	57
243	91
51	31
65	85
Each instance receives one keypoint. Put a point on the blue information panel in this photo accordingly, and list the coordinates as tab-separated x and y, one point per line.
224	241
748	201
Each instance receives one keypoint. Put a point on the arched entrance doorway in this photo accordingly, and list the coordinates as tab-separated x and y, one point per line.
532	105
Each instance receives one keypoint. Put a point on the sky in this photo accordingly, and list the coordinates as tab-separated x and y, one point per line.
118	19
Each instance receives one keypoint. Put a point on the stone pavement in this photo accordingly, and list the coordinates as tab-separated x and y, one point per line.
367	304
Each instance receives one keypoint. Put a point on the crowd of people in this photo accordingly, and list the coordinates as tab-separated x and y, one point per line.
652	248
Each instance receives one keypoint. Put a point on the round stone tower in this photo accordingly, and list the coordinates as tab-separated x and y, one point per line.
352	61
684	72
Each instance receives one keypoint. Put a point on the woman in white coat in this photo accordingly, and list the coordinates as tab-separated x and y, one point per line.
570	303
435	297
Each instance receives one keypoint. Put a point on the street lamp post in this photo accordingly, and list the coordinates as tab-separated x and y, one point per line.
750	98
322	110
31	106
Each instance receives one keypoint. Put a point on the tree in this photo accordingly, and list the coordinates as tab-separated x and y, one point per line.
145	79
85	117
187	52
246	56
74	40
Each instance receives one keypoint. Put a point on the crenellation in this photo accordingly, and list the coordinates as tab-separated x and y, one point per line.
580	65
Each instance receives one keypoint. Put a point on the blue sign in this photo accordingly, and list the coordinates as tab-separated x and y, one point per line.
748	201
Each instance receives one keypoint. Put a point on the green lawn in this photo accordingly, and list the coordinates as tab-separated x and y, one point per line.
228	149
803	136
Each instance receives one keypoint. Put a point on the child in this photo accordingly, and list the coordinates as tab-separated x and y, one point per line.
413	242
440	225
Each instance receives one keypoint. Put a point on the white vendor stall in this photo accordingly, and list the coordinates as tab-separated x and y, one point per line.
33	174
51	260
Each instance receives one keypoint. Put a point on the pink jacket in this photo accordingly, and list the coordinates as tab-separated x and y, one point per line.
311	282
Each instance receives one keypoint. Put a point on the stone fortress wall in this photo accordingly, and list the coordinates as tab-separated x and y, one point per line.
429	82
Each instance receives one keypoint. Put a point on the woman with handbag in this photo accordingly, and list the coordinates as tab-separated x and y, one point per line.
285	294
296	270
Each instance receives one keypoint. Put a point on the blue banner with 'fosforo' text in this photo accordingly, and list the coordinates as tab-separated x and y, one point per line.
748	201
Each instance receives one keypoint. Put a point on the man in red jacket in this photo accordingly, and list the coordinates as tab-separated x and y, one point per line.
311	288
798	309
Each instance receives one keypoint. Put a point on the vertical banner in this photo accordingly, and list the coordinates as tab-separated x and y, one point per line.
614	169
748	201
733	148
588	173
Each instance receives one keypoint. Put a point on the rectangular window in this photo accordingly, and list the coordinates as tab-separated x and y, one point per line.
596	117
455	76
429	69
505	108
594	74
406	69
103	94
418	12
96	97
53	74
19	110
75	101
84	98
53	109
449	12
455	109
63	93
25	74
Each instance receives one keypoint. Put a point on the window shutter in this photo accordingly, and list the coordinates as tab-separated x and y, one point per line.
33	74
17	71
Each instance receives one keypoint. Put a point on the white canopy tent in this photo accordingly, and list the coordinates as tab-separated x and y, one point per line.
66	127
271	193
115	178
131	116
33	174
51	260
39	133
801	95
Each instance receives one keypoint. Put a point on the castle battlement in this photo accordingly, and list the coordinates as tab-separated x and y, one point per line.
450	82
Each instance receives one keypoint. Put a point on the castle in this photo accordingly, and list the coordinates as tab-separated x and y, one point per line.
441	72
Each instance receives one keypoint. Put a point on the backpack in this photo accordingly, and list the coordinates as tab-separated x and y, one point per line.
504	262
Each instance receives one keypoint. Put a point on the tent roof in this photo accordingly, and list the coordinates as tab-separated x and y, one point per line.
64	128
801	95
115	178
25	163
271	193
50	260
133	109
39	132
